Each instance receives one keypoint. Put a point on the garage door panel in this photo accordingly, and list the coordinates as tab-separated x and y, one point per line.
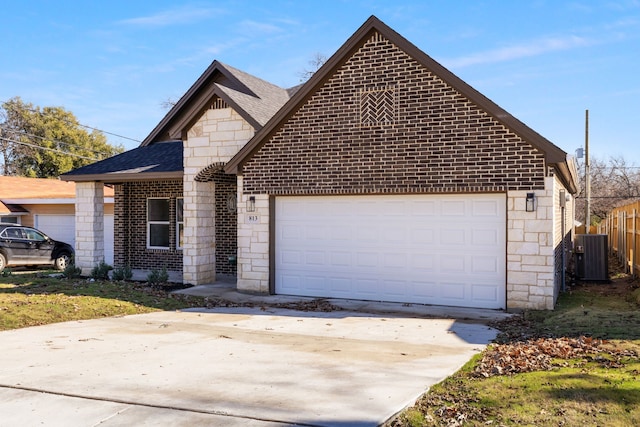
485	237
484	293
340	259
453	264
484	264
63	228
366	286
395	260
340	285
366	259
417	248
423	208
394	290
422	263
453	292
290	258
452	237
454	208
315	258
485	208
423	290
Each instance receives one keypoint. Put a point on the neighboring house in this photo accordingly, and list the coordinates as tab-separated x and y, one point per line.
49	205
384	177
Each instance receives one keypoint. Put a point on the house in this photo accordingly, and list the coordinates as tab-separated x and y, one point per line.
383	177
49	205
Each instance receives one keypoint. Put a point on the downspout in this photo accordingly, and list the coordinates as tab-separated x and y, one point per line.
563	208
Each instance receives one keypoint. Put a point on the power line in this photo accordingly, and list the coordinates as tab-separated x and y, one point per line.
47	149
53	140
78	124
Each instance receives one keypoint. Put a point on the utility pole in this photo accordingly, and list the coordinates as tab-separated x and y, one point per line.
587	174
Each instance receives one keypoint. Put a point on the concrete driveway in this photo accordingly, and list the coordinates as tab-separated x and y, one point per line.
224	367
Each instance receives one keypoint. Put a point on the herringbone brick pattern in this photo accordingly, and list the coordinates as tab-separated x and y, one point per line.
383	123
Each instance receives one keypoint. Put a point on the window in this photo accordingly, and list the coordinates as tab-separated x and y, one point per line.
158	223
31	234
179	223
10	219
12	233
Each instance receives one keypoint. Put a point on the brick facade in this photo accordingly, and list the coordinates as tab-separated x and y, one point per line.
130	225
429	139
226	223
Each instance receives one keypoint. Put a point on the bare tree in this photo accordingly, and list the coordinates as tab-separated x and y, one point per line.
168	104
613	183
315	63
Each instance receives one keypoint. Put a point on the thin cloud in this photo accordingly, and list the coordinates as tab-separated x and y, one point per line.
170	17
535	48
259	27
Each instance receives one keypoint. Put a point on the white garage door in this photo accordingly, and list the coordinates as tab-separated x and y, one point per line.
63	228
445	250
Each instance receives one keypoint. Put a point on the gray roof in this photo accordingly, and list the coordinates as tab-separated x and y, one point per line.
267	98
161	160
256	100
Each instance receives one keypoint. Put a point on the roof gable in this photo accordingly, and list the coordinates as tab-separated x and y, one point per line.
552	153
256	100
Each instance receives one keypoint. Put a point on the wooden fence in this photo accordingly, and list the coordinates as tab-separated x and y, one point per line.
622	226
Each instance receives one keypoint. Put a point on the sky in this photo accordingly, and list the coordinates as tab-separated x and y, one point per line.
113	64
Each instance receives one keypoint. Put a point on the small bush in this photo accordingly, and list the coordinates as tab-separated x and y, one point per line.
122	273
101	271
158	277
7	272
71	271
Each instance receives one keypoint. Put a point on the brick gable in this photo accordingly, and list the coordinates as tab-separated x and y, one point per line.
384	123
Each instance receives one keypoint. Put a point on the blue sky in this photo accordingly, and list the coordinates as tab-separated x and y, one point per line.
114	63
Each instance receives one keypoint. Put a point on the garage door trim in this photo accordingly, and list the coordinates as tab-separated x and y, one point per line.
474	276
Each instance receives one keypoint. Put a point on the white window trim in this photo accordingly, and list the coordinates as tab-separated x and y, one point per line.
149	223
17	217
178	223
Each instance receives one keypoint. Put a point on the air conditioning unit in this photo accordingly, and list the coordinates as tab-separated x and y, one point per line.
592	259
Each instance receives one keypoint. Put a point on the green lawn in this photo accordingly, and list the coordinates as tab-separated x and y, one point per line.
36	299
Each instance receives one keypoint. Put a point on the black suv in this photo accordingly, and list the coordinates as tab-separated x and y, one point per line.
27	246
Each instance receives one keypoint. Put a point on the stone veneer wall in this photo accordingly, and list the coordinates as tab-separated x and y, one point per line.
530	249
214	138
130	225
89	250
253	243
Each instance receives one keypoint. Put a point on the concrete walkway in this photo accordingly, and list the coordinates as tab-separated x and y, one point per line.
225	289
258	366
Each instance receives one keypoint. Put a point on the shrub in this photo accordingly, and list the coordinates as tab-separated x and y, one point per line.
158	277
71	271
122	273
101	271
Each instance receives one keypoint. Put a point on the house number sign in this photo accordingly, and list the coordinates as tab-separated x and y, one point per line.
253	219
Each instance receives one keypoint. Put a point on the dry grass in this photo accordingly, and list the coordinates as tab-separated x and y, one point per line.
577	365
